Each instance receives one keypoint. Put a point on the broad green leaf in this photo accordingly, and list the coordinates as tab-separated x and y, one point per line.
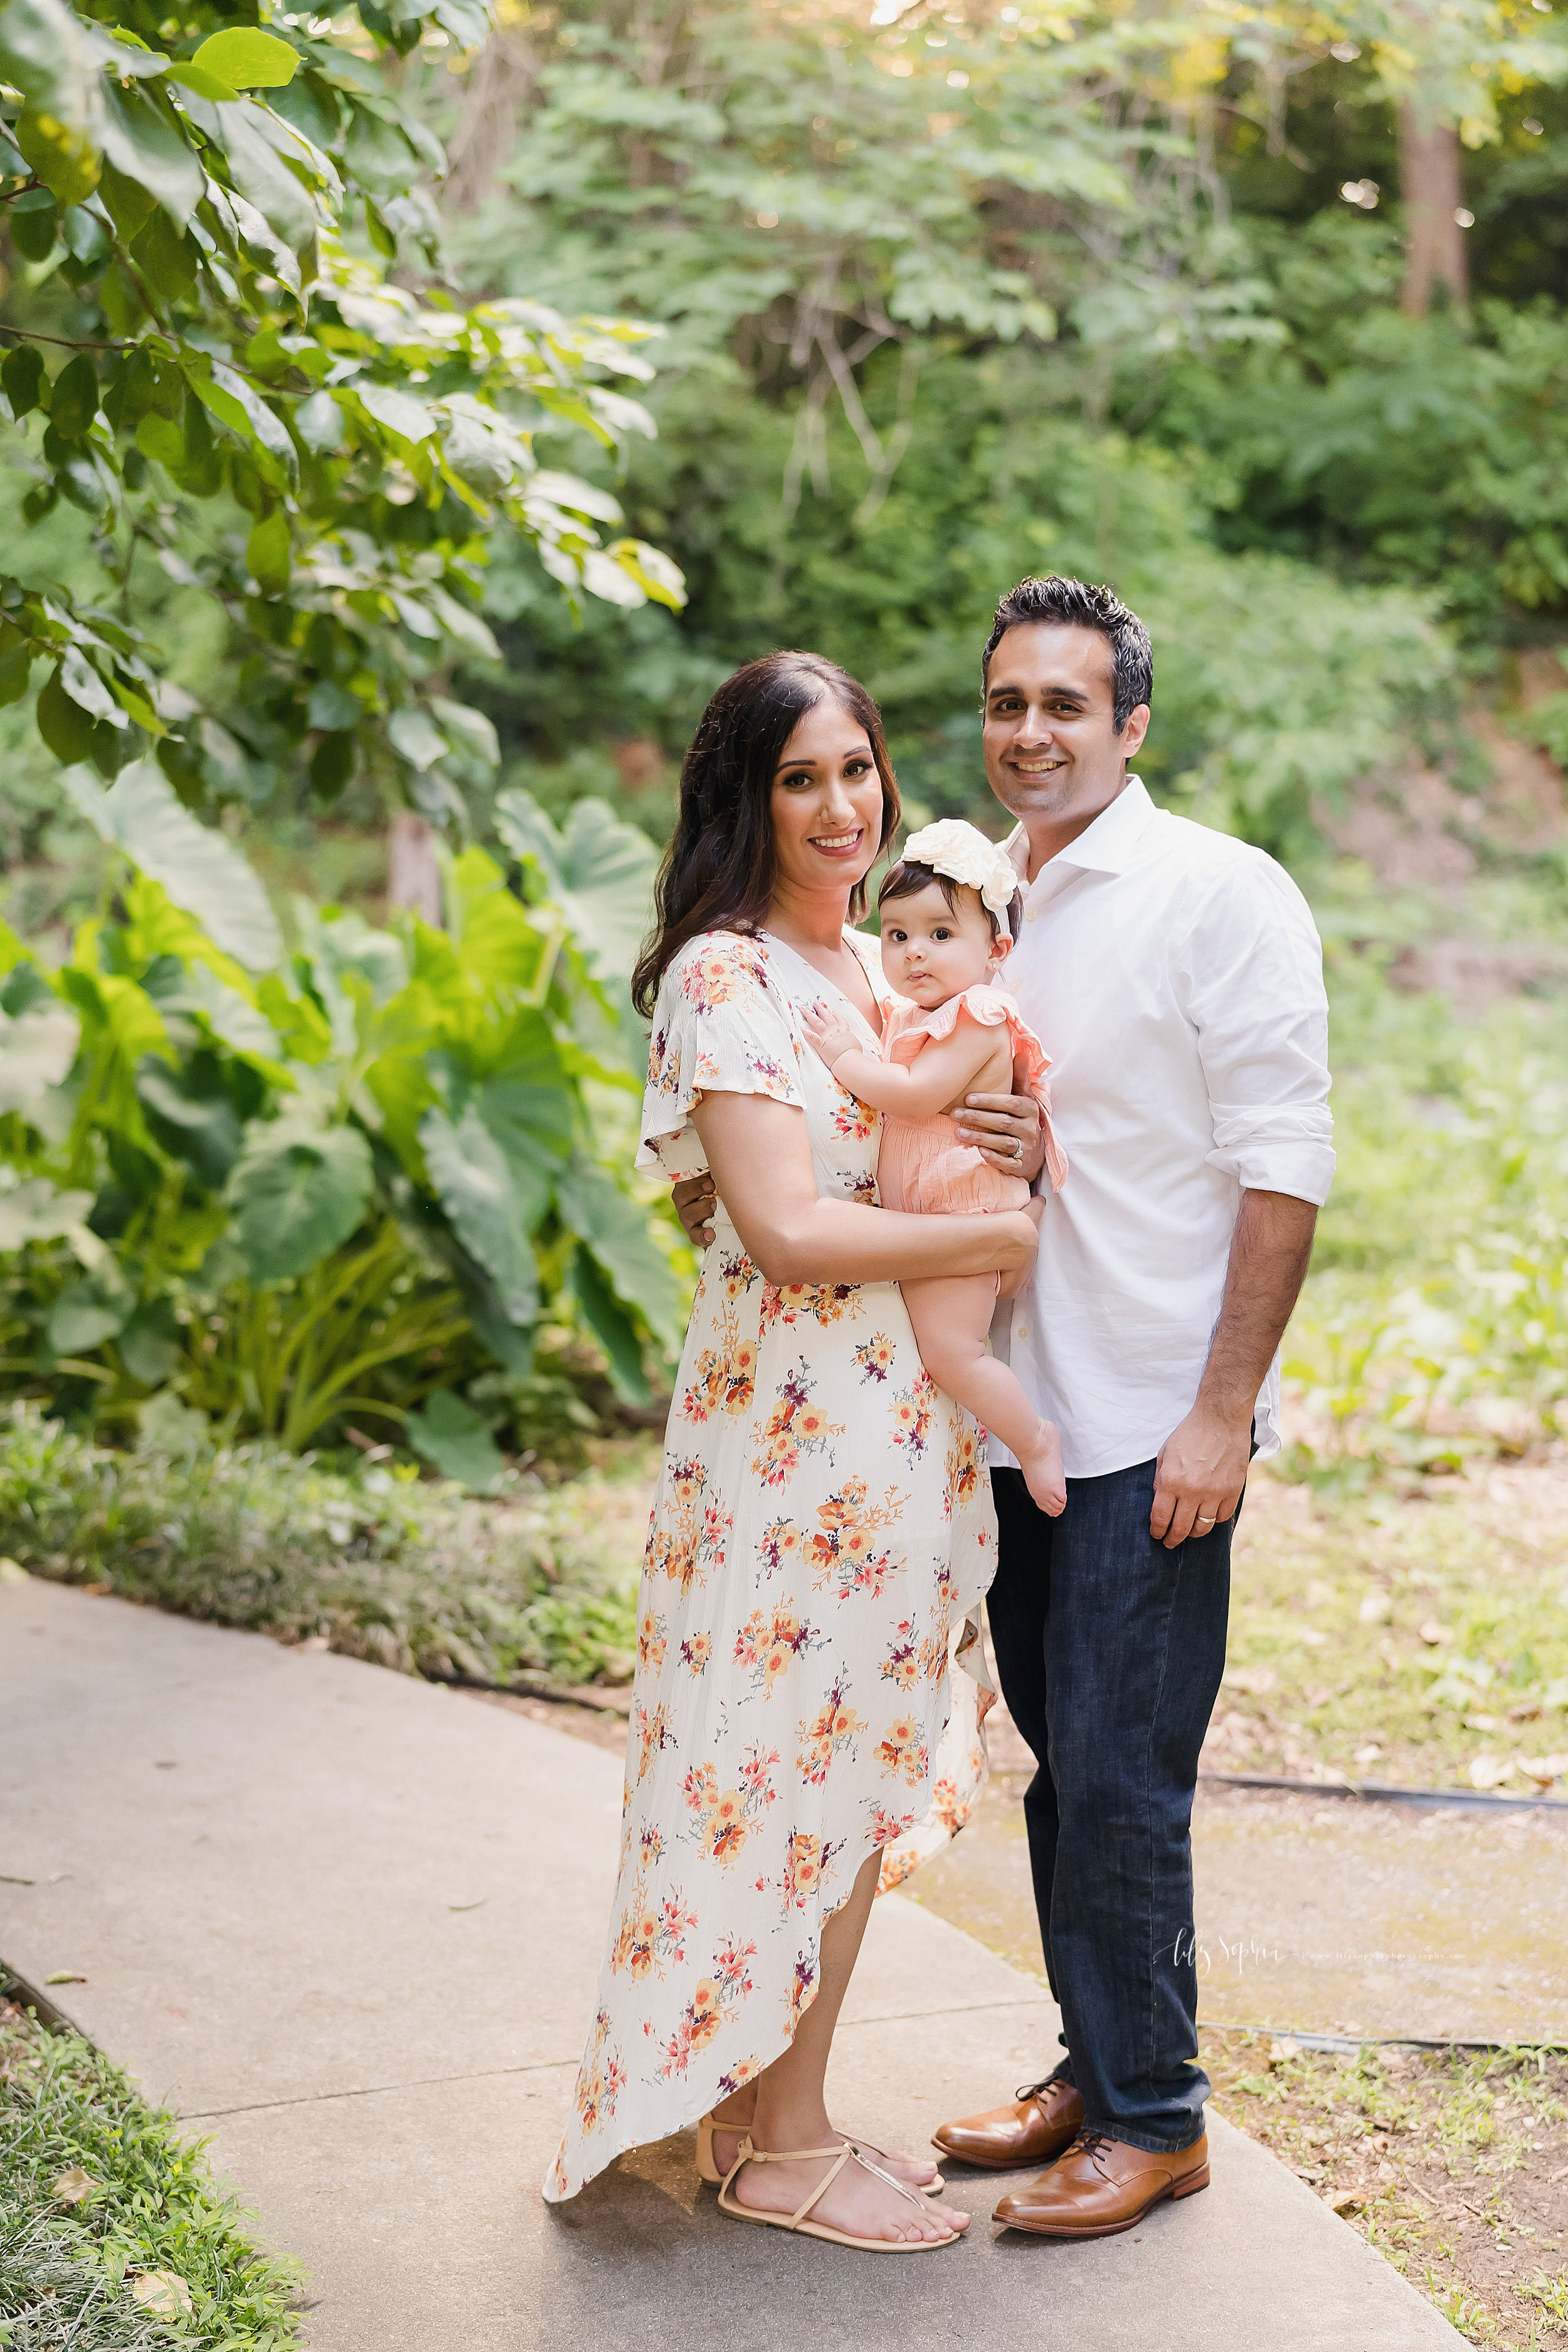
407	418
63	157
615	1228
89	1310
189	1113
248	59
598	871
612	1326
260	172
22	378
269	550
73	402
413	734
150	1346
473	1180
238	404
499	941
142	144
199	867
35	1211
451	1436
66	727
298	1193
37	1049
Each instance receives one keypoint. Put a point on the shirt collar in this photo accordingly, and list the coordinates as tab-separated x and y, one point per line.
1106	846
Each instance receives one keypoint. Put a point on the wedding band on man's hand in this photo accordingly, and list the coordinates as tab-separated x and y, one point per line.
1206	1523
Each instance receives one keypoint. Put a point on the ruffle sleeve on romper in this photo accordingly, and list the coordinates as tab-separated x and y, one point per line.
993	1008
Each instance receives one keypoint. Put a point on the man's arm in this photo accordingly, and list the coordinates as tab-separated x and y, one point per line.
1202	1467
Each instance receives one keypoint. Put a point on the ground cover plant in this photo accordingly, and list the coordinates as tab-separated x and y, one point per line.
113	2236
1451	2163
541	1583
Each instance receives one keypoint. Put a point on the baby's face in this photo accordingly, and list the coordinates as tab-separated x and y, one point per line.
932	951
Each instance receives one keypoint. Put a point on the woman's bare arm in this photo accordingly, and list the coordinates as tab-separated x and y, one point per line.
760	1160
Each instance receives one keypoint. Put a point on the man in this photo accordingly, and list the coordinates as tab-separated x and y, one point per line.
1175	977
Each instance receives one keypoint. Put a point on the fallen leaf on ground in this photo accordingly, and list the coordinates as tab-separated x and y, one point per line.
66	1975
73	2188
1375	1610
163	2293
1286	2047
1489	1771
1543	1769
1255	1680
1343	2201
1434	1633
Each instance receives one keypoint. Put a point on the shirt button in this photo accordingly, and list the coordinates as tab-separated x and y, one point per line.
1020	1331
1029	913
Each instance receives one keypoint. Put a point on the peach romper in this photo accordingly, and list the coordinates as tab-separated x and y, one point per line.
924	1165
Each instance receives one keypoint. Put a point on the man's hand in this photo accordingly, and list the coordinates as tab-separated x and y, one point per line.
1199	1473
1007	1131
1201	1468
695	1200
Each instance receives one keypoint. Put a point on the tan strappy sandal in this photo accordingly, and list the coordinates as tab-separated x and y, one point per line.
847	2153
708	2169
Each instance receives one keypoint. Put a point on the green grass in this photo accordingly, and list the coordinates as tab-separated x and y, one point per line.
113	2235
378	1566
1434	1631
1449	2162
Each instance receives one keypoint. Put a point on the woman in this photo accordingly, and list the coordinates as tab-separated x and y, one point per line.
823	1517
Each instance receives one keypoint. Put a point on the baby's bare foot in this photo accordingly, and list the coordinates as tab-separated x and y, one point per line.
1042	1468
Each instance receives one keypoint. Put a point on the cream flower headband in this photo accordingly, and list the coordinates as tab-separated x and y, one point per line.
963	853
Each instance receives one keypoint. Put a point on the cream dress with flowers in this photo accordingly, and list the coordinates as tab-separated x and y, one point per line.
821	1530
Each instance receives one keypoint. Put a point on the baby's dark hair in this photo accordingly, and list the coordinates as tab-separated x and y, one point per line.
908	876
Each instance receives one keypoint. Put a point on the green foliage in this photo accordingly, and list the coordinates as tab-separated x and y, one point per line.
1434	1324
341	1188
543	1581
194	324
68	2269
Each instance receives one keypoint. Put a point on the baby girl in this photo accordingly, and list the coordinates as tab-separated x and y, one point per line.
950	914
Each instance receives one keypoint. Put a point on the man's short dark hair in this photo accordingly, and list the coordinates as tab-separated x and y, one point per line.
1075	604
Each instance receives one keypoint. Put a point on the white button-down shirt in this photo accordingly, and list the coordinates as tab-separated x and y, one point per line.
1174	976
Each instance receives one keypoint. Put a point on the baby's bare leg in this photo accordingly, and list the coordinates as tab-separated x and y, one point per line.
951	1319
1011	1284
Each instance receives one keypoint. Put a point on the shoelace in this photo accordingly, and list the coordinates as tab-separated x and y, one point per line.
1091	2142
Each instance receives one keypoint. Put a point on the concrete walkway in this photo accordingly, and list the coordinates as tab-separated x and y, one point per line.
350	1925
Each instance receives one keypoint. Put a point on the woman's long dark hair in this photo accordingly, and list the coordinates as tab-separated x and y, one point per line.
719	871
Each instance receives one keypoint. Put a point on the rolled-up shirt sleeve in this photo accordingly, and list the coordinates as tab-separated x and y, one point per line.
1250	975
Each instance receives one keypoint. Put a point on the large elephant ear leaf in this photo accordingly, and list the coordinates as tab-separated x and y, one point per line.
614	1229
612	1326
298	1193
199	867
475	1182
598	870
450	1434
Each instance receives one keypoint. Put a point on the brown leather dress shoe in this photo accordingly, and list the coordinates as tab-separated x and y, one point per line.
1102	2185
1043	2119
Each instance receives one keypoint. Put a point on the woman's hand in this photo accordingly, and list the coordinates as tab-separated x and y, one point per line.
829	1032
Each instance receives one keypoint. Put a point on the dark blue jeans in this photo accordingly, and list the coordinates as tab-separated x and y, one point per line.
1111	1650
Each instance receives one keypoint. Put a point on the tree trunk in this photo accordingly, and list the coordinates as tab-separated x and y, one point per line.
1430	186
413	874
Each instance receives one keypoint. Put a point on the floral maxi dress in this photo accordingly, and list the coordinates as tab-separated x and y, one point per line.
821	1527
